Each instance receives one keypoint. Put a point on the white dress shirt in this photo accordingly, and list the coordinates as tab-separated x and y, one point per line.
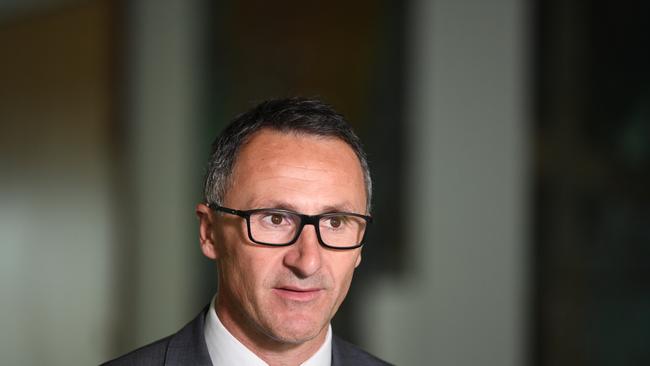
225	349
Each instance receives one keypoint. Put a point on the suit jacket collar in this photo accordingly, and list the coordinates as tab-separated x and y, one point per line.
187	346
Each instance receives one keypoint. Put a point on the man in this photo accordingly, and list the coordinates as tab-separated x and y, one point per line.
285	212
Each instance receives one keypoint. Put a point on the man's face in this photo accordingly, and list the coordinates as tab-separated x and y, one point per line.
286	294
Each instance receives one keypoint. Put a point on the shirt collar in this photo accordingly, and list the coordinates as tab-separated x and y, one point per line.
225	349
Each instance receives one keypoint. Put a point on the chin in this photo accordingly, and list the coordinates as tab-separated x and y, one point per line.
297	331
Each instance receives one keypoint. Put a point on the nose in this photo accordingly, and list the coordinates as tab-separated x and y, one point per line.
304	257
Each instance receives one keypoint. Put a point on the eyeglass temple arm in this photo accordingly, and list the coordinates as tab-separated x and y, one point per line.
216	207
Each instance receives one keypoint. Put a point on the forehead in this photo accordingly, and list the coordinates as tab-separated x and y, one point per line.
297	169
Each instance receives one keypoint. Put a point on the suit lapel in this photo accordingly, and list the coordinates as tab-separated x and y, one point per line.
336	352
187	347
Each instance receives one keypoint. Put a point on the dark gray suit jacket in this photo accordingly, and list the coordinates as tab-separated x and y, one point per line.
187	347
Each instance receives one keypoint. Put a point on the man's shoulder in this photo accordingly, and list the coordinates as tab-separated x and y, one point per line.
185	347
152	354
345	353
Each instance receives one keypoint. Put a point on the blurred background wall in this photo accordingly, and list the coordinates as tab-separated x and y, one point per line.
509	143
56	229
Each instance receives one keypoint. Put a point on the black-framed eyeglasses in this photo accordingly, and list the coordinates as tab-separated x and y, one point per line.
278	227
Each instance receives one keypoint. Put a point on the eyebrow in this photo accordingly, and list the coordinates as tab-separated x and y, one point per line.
290	207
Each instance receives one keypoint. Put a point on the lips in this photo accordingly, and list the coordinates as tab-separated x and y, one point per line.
294	293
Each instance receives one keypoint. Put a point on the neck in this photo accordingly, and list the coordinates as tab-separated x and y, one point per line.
271	350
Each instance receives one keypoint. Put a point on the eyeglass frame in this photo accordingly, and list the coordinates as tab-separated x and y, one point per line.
313	220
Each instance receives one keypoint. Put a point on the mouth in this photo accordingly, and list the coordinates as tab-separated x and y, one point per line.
297	294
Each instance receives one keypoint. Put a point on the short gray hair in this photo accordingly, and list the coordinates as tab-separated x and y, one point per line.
290	115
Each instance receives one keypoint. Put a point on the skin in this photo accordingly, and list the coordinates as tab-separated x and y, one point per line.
278	301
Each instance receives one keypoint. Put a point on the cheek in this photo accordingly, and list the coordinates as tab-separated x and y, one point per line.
234	259
344	271
246	271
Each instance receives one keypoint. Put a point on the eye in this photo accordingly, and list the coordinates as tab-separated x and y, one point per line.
335	221
276	219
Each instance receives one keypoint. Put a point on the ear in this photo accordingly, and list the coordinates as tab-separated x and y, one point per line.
358	260
207	225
